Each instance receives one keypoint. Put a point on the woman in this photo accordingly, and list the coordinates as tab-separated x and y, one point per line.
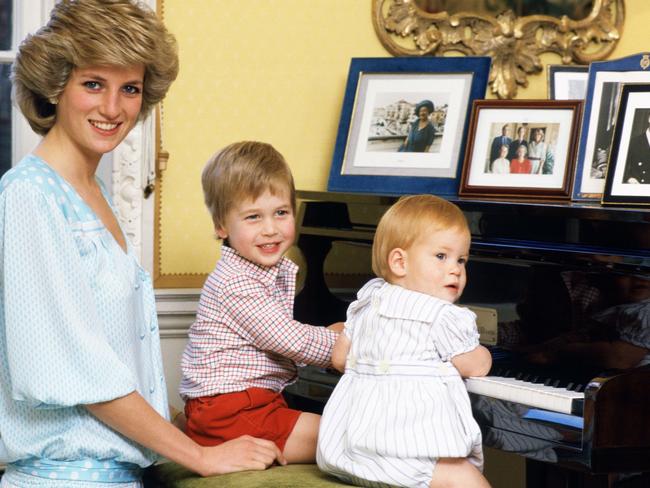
521	164
501	165
82	392
421	132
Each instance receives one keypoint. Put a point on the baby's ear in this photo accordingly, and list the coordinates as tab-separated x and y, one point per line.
397	262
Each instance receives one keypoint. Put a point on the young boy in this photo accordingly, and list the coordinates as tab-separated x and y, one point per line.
244	345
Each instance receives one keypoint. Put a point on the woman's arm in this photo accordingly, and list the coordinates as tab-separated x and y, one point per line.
476	362
134	418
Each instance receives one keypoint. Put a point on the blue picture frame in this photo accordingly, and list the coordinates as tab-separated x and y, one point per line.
598	122
413	76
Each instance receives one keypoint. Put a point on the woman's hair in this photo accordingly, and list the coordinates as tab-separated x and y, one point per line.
407	220
83	33
241	171
428	104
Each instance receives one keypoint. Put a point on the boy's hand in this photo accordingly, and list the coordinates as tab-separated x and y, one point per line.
337	327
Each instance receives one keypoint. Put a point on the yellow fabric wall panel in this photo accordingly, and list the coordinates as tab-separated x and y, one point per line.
271	70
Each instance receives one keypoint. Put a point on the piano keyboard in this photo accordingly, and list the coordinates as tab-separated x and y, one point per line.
532	394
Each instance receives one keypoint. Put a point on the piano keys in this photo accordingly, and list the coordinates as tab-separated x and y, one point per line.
538	395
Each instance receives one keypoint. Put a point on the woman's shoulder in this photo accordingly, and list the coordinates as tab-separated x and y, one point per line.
31	171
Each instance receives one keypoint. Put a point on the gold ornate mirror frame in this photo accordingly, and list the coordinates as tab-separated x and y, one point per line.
514	43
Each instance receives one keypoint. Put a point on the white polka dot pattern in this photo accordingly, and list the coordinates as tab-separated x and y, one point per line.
77	324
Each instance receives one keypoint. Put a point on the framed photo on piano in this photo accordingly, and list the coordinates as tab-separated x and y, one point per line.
628	173
604	86
567	82
403	124
521	149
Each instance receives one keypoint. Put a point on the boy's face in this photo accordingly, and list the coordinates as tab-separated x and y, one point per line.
261	230
435	264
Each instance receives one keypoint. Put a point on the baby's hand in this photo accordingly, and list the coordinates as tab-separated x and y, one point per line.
337	327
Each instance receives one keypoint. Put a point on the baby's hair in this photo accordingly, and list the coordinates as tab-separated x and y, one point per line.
84	33
408	219
241	171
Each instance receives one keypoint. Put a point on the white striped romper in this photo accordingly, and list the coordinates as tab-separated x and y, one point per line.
401	404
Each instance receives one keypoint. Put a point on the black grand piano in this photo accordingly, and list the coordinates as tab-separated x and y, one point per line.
564	295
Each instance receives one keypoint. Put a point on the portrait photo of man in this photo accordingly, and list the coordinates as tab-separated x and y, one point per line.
637	164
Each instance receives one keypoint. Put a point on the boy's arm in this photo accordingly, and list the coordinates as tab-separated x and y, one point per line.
264	322
476	362
340	352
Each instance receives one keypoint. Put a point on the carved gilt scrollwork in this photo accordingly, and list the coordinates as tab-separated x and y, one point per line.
514	43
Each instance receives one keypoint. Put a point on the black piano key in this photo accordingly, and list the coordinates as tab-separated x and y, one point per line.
547	381
579	388
569	386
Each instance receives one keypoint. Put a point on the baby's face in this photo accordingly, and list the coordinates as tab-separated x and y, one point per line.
435	264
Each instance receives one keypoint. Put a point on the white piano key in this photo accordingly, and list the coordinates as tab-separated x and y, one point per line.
519	391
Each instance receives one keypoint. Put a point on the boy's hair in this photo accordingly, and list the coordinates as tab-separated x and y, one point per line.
409	219
244	170
83	33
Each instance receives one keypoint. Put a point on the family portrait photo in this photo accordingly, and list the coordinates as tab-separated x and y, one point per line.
408	122
521	148
529	152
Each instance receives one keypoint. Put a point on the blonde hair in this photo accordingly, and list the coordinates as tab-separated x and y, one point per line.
82	33
244	170
408	219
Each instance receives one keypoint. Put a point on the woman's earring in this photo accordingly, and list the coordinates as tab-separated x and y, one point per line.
53	101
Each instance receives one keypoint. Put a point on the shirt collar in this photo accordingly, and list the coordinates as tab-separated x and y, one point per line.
267	275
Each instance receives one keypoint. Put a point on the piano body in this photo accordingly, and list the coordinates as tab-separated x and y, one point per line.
569	285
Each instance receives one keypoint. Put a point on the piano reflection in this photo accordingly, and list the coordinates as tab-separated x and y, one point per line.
570	287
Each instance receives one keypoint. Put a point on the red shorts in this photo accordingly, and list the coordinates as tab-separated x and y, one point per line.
258	412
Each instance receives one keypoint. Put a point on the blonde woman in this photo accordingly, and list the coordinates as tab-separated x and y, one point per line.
82	394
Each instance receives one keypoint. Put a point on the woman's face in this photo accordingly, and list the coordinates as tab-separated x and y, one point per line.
98	107
423	113
503	152
521	152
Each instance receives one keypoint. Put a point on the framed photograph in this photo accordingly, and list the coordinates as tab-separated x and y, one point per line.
599	119
521	149
567	82
403	124
628	173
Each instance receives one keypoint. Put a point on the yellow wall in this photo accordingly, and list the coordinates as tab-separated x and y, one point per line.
272	70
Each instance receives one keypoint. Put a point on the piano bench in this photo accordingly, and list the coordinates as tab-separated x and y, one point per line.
172	475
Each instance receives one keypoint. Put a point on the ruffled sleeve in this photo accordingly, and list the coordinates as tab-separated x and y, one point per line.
363	298
455	332
57	351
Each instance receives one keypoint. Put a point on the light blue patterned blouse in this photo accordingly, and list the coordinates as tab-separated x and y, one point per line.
77	325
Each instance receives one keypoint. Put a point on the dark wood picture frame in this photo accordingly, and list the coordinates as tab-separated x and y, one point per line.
550	133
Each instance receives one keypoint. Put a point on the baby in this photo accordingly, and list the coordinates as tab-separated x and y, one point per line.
400	414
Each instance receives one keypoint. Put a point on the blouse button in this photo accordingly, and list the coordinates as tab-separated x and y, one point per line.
152	389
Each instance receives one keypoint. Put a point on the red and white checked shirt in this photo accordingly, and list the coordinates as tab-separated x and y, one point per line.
244	334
